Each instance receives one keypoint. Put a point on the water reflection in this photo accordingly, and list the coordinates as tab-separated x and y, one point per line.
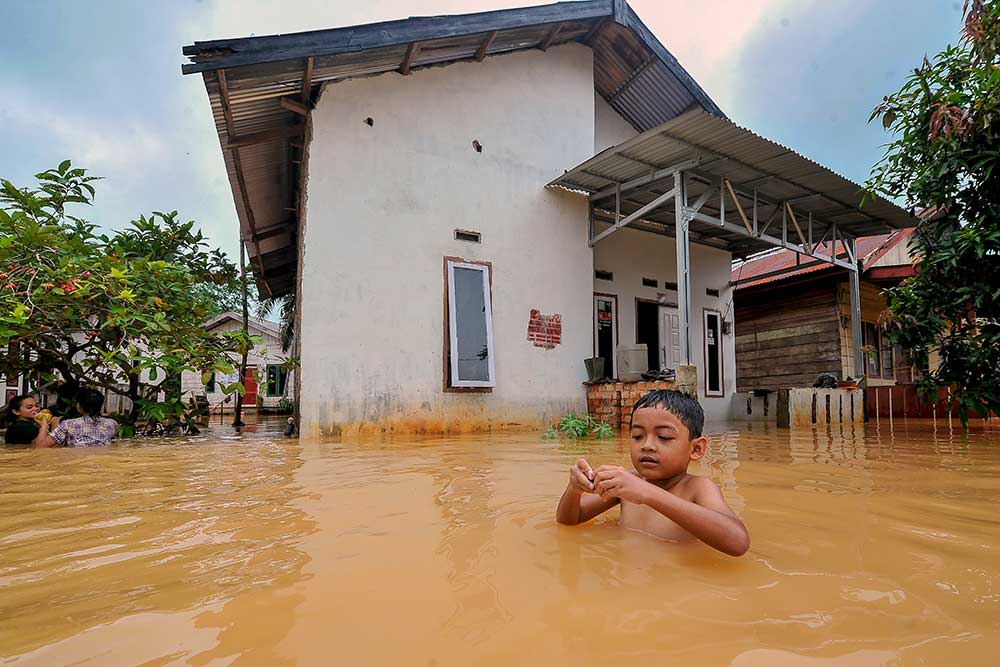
92	539
870	546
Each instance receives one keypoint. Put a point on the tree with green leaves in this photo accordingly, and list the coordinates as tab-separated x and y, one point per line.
944	160
121	311
285	307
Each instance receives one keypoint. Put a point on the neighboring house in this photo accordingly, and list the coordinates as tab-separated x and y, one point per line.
266	381
793	321
449	196
14	385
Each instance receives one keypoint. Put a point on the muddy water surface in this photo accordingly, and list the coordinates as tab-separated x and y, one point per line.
874	547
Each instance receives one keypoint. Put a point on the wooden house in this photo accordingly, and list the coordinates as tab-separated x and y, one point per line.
793	318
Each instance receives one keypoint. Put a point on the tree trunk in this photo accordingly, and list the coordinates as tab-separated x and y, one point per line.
133	395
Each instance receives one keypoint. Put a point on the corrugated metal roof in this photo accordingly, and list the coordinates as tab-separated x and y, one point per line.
870	248
716	147
632	70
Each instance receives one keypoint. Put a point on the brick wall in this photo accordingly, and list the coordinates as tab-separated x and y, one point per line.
612	402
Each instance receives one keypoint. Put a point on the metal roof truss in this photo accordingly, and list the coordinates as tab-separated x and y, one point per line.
670	188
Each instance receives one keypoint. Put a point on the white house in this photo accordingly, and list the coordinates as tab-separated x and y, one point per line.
470	206
267	381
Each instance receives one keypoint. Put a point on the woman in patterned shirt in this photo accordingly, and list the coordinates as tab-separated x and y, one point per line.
90	430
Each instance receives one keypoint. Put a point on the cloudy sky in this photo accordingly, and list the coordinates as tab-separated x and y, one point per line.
99	81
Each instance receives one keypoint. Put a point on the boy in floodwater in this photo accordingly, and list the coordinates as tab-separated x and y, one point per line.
659	497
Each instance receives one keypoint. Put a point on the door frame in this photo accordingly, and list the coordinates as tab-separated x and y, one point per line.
616	337
649	302
722	353
659	328
638	300
251	373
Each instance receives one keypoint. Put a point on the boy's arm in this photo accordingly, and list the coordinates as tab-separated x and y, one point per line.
579	502
706	516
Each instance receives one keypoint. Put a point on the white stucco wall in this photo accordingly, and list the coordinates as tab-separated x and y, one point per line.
633	255
609	128
383	203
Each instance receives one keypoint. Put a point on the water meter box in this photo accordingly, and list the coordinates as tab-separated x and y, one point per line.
632	362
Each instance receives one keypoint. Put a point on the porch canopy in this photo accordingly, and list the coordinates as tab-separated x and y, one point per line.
703	178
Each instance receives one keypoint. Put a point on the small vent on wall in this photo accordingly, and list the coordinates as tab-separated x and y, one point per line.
711	292
465	235
649	282
604	275
669	286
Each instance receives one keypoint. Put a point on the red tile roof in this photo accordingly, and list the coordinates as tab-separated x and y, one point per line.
870	248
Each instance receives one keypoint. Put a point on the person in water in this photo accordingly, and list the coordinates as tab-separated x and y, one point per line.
90	430
659	496
25	426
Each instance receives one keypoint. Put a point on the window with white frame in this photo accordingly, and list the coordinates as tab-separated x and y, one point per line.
470	326
713	353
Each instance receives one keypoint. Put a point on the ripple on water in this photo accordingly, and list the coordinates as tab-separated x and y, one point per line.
870	546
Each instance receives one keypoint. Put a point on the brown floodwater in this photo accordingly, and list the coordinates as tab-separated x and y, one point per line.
870	547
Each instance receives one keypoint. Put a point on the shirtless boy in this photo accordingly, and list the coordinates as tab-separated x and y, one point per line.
659	496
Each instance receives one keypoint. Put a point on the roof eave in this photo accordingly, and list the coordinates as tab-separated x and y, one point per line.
246	50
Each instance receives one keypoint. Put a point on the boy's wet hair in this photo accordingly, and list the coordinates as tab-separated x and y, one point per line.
682	406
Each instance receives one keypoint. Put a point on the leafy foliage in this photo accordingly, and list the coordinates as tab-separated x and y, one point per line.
286	313
944	159
121	311
575	427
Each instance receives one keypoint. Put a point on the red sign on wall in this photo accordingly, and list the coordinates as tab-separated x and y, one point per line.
544	331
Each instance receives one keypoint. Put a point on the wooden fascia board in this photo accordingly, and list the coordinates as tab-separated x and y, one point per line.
260	50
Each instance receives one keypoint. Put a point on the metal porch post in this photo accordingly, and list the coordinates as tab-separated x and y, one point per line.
683	266
854	276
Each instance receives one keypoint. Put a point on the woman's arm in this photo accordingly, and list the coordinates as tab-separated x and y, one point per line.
44	438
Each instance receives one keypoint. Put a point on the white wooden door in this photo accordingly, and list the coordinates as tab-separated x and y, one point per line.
670	338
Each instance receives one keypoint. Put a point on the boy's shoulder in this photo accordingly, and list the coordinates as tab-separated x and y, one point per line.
693	486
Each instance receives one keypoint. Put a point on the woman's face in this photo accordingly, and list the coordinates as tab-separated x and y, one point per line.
28	410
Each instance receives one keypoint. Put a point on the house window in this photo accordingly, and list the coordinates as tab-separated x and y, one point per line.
878	352
470	325
276	378
713	353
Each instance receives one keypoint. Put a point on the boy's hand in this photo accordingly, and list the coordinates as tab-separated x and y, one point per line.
581	476
617	482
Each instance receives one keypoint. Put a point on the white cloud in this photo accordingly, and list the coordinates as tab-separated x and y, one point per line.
146	163
113	145
705	35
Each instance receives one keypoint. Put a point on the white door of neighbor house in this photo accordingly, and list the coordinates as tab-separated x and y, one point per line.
670	338
606	332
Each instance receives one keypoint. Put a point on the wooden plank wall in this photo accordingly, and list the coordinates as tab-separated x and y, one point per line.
786	334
